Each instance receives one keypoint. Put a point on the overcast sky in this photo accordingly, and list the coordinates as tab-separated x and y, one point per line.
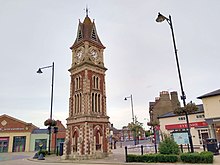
139	53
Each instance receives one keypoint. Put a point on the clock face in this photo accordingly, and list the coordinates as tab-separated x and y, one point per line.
79	54
94	53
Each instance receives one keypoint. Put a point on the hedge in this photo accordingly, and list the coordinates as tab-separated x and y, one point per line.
203	157
152	158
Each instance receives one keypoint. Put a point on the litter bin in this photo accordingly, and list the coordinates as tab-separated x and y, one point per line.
212	146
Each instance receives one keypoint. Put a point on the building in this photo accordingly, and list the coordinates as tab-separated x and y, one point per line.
15	135
41	136
19	136
211	102
163	104
88	124
171	123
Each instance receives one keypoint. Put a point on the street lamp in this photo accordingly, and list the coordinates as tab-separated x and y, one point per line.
161	18
51	103
126	98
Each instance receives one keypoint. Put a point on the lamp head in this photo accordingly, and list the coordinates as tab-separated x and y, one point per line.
161	18
125	98
39	71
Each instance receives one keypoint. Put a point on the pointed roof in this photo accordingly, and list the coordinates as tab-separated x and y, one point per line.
210	94
87	32
4	119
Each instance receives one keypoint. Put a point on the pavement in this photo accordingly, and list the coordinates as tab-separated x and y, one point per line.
116	157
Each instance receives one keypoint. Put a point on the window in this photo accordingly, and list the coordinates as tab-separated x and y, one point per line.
60	140
96	102
200	116
94	34
38	142
77	103
181	118
96	82
77	83
19	143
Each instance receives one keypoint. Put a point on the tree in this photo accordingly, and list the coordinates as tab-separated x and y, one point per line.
189	108
168	146
136	127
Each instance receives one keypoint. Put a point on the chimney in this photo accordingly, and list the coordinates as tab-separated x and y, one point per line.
174	99
164	95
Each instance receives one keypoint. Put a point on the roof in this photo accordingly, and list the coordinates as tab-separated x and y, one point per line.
40	131
17	120
87	32
172	114
210	94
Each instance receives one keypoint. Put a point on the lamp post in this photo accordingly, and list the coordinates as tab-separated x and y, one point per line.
132	110
161	18
51	103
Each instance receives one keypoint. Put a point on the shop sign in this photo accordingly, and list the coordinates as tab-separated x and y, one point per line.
11	129
4	138
184	125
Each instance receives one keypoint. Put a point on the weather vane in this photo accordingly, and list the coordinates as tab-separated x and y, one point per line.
87	11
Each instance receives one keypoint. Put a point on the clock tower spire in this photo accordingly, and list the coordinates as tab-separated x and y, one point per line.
88	123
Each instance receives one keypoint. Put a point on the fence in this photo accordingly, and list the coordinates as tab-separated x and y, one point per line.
153	148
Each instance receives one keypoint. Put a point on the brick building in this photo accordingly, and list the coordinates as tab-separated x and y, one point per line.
15	134
163	104
41	136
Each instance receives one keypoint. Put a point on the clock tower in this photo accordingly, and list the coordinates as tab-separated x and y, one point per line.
88	124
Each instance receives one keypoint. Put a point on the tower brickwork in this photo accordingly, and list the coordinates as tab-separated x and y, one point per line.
88	123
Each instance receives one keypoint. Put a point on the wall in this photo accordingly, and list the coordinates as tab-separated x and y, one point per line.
37	136
211	106
192	119
11	137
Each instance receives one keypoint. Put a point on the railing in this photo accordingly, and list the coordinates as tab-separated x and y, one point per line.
152	148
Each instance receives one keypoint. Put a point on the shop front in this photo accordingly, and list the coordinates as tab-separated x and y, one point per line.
199	131
14	134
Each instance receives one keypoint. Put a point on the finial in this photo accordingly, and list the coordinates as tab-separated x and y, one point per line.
87	11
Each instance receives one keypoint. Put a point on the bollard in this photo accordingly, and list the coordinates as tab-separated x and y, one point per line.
203	147
142	150
155	147
57	150
126	153
181	147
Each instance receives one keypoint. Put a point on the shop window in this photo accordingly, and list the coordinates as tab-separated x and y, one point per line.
4	144
38	142
19	143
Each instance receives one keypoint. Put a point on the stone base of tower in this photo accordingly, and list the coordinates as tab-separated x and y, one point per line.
87	140
75	156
